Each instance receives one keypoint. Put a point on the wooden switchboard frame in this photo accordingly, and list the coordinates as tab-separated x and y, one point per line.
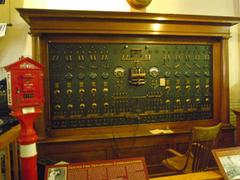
66	26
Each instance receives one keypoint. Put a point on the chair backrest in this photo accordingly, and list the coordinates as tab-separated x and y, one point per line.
203	139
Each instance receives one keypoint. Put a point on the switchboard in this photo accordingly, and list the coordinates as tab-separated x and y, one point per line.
113	77
104	84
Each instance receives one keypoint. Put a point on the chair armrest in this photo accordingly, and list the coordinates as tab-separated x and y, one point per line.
173	152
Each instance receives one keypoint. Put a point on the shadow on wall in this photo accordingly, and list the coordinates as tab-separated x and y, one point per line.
13	44
234	100
17	42
235	88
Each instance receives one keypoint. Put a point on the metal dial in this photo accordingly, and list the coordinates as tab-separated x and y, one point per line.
153	71
93	75
119	71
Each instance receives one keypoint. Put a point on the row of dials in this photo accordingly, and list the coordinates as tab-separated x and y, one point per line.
167	87
153	72
188	102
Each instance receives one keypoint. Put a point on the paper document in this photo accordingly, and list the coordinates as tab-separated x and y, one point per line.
161	131
3	28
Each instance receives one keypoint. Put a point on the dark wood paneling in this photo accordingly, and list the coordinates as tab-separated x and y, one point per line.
151	147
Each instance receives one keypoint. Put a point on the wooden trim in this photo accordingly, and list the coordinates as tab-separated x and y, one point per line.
89	22
29	15
224	82
1	171
15	160
6	140
36	47
9	136
237	133
8	163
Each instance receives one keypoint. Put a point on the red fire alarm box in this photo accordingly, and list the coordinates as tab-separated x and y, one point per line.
25	98
25	84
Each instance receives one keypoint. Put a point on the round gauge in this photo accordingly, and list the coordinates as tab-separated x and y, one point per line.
81	76
153	71
105	75
197	73
93	75
177	73
207	74
167	74
119	72
69	76
187	74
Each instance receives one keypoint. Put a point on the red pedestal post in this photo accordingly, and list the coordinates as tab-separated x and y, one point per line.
27	140
25	99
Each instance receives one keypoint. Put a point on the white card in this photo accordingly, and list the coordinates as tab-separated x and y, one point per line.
3	28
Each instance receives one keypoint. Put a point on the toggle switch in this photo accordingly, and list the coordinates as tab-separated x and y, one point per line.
82	106
81	91
94	105
197	100
167	88
56	91
167	101
69	91
105	90
106	105
93	90
57	106
197	86
70	106
178	100
178	87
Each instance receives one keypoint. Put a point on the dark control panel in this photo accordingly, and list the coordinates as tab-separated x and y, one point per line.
103	84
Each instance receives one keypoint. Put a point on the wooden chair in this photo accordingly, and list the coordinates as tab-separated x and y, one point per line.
199	151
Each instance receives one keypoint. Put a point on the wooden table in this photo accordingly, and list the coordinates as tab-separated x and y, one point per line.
8	139
207	175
